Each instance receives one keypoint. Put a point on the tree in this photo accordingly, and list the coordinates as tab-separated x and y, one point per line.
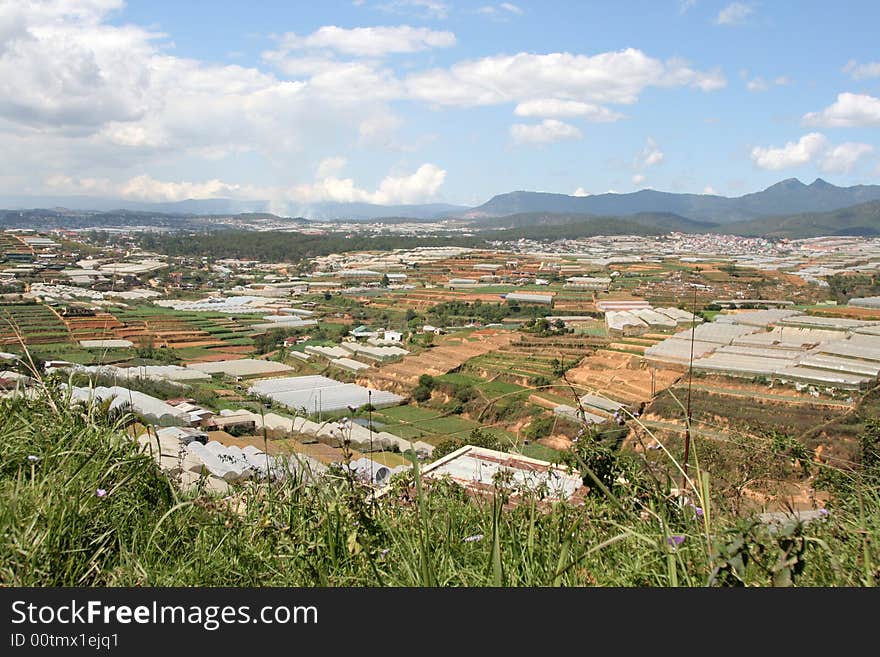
385	281
869	447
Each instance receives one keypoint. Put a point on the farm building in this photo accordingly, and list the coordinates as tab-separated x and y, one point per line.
327	352
243	367
154	411
629	304
588	282
624	322
462	282
349	364
106	344
477	469
824	351
318	394
525	297
777	303
865	302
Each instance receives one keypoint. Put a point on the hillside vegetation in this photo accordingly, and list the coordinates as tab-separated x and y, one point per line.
862	220
81	506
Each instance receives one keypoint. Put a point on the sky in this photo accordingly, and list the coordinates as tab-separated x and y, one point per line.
420	101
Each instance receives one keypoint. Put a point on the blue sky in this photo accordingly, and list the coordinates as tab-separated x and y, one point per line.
410	101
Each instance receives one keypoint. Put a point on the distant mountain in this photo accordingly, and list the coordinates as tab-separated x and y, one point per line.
862	219
222	206
786	197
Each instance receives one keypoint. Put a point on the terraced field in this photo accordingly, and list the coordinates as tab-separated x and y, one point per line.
430	425
98	326
186	330
530	357
11	244
448	354
624	377
37	324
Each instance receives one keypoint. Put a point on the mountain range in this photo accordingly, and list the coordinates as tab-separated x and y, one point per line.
786	197
788	208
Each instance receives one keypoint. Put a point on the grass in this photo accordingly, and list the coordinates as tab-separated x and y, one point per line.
57	531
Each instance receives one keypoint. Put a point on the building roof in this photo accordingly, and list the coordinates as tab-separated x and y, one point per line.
476	468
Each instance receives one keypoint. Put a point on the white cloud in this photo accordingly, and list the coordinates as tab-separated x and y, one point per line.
862	71
556	108
147	188
638	179
758	84
609	77
378	128
650	155
330	166
580	191
500	12
812	148
368	41
512	8
735	13
82	91
548	131
708	189
793	154
684	5
843	158
417	187
421	8
849	111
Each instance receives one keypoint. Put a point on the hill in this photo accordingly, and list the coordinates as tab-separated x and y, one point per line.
788	196
862	219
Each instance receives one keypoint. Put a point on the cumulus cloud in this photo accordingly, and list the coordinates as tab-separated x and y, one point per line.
368	41
735	13
813	147
708	189
147	188
638	179
849	111
609	77
862	71
82	91
580	191
844	158
650	154
557	108
548	131
330	166
793	154
417	187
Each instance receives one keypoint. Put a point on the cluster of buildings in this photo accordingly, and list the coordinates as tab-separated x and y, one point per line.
780	345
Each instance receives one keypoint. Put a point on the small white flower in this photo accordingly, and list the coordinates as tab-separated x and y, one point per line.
474	538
